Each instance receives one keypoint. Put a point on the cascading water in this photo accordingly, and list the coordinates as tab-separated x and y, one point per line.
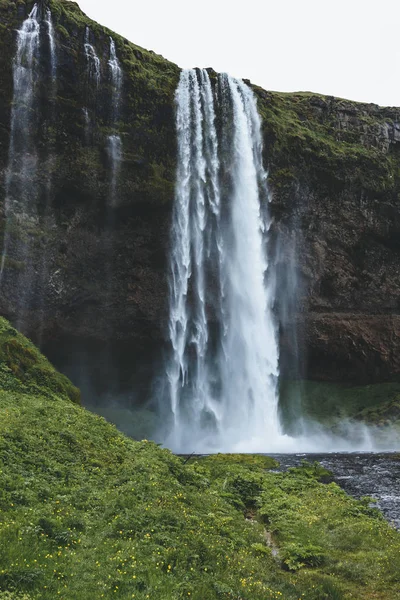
223	370
52	45
22	159
48	166
93	75
115	154
114	140
28	190
92	60
116	78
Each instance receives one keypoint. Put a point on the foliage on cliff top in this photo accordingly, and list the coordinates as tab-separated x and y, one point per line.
315	140
23	369
70	12
145	121
336	141
89	513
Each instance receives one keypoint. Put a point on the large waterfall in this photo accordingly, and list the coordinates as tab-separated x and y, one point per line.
223	368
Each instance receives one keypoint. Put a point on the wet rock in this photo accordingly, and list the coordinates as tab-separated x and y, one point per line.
98	274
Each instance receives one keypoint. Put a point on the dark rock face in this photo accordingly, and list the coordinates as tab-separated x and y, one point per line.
97	273
335	178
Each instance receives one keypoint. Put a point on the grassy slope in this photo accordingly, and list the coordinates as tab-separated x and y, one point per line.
25	371
87	513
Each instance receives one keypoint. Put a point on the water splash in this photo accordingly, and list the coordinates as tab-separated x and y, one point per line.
223	371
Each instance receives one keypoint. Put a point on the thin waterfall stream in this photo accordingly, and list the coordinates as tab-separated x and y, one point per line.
114	140
31	163
52	45
20	181
93	76
92	60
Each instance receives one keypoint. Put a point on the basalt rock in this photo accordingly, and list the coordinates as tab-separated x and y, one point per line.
98	295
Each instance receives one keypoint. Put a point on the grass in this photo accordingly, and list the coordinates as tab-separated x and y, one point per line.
86	512
25	371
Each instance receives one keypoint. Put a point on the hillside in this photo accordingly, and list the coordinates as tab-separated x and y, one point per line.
89	513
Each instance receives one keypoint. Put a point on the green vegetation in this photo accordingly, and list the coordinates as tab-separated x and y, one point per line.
331	403
89	513
334	141
23	370
86	512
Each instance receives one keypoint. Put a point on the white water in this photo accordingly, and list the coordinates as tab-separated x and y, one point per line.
114	140
223	370
93	75
115	153
52	45
92	60
22	158
116	79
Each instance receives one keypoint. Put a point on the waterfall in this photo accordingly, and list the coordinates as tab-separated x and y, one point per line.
92	60
20	181
115	153
27	188
114	140
52	45
47	168
116	79
93	75
222	374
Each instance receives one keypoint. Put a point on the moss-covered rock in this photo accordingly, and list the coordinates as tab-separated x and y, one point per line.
94	275
25	370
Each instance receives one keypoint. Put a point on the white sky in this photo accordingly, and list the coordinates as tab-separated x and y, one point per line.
346	48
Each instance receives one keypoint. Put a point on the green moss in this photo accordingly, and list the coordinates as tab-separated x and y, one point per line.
24	369
303	136
62	31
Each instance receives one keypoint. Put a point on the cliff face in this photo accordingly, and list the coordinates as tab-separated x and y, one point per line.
334	172
95	275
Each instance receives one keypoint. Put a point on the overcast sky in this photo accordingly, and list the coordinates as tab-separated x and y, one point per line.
346	48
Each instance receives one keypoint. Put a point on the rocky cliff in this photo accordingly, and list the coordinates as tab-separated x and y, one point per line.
95	275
